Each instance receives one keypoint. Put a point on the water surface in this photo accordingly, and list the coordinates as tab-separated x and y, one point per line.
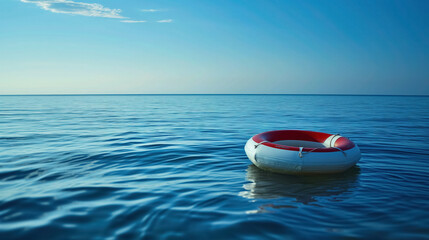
174	167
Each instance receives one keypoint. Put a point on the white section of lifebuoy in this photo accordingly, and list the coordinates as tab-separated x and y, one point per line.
330	141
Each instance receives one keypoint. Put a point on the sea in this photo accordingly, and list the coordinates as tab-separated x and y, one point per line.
174	167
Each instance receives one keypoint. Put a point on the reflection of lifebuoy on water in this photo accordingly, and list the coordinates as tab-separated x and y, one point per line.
302	152
305	189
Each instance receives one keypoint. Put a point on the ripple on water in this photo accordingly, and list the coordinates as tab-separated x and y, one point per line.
173	167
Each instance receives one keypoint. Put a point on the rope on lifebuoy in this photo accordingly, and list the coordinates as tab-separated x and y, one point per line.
256	146
345	154
301	154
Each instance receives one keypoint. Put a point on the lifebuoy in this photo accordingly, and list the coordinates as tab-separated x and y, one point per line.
302	152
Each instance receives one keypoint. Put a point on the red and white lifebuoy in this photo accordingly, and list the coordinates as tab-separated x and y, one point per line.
302	152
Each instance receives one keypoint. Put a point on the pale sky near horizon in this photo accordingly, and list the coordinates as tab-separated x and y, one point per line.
224	46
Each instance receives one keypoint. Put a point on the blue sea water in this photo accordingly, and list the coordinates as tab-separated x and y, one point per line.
174	167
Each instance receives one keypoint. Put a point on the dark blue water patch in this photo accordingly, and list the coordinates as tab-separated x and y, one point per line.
11	175
91	193
174	167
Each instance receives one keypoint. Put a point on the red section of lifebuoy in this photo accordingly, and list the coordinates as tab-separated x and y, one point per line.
267	139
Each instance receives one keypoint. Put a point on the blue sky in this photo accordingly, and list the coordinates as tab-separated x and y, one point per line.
205	46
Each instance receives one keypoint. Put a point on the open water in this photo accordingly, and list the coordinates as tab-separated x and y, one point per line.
174	167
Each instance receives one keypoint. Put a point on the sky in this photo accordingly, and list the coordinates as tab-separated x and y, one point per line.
214	47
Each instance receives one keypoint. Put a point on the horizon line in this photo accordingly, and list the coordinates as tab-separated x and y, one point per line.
291	94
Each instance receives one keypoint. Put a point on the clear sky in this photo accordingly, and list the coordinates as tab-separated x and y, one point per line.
214	46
